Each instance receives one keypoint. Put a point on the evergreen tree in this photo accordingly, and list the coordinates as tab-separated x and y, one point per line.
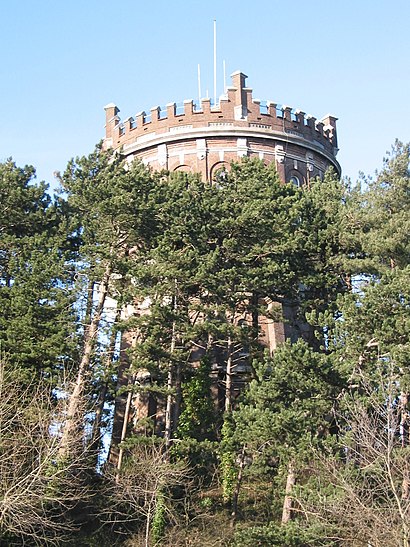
333	252
385	212
286	412
37	331
361	489
367	482
110	203
223	248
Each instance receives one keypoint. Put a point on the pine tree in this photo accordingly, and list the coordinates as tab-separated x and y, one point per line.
366	483
109	201
286	411
385	207
222	250
37	319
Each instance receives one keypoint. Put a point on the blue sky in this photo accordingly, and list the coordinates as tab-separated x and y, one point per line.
62	62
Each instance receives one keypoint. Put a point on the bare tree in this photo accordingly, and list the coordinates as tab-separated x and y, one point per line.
360	490
144	490
37	489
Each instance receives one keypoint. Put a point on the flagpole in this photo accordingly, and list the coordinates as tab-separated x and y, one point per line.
199	86
215	61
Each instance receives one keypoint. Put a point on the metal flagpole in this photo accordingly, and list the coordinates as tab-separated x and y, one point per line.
199	86
215	60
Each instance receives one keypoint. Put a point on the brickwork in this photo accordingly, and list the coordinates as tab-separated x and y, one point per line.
200	137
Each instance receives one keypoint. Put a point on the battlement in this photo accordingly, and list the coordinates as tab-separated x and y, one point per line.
236	109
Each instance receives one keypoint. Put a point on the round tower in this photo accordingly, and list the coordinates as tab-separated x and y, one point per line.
205	138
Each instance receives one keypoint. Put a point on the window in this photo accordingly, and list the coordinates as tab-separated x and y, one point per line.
294	180
219	173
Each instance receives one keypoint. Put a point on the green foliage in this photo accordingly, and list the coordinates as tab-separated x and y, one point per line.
37	331
286	414
159	520
200	263
201	457
255	241
197	418
228	456
384	212
373	335
110	202
287	409
293	535
331	244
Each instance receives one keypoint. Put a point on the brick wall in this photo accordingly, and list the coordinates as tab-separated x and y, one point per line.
201	137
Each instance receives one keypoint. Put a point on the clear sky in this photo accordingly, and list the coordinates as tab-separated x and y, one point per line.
63	61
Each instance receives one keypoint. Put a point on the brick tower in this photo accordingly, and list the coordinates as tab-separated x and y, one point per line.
203	138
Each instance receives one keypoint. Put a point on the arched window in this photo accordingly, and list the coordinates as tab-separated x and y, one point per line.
183	168
295	180
219	173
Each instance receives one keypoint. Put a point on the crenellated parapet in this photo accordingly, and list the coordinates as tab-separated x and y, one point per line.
279	129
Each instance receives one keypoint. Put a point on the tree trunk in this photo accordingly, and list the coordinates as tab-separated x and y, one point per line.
170	382
178	398
96	433
347	277
75	399
147	528
168	409
88	308
124	429
405	487
404	437
255	316
288	502
235	496
404	419
229	377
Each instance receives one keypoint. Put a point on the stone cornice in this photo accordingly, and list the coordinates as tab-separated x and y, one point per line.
227	132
